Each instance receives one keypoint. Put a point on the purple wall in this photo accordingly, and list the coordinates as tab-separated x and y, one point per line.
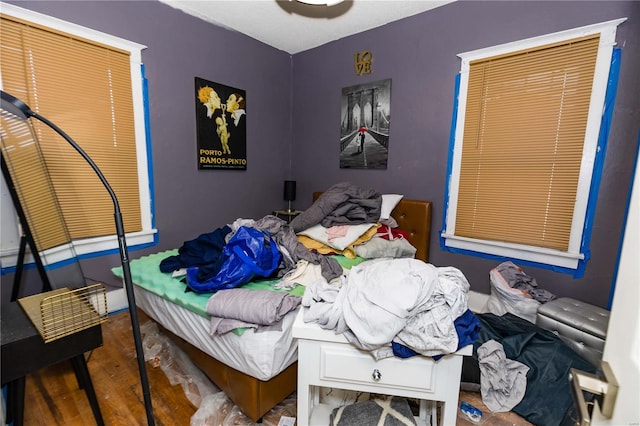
419	55
189	202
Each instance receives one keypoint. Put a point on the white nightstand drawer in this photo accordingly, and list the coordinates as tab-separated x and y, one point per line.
347	364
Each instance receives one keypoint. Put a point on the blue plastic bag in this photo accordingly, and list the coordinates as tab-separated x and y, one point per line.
248	253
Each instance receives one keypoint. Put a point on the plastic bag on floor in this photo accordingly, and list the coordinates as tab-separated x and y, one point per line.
213	411
505	299
160	351
287	408
237	418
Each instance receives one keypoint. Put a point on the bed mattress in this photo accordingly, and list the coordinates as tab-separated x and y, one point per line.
261	354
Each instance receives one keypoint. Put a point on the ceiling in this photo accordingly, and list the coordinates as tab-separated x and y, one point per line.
294	26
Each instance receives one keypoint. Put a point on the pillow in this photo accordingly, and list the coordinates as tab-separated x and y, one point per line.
349	235
389	202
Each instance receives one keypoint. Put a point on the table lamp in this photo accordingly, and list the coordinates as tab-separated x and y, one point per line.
289	192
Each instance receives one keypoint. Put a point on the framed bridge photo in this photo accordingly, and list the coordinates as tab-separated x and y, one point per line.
221	126
364	125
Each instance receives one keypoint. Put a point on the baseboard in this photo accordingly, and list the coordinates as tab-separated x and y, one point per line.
117	300
477	301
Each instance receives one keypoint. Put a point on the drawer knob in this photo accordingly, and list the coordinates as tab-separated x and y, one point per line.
376	375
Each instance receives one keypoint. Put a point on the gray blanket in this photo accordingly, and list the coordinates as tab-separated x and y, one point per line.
238	307
342	204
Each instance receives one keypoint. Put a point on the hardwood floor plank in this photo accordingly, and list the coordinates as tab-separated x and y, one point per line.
52	396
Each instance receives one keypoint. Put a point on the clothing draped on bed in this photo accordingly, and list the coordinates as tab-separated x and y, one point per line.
343	203
250	352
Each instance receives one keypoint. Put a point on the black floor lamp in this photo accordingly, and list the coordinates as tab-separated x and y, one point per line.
18	108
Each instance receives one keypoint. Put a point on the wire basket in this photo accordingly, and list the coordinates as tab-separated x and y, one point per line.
62	312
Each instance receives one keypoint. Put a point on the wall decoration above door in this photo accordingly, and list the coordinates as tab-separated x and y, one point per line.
364	127
221	126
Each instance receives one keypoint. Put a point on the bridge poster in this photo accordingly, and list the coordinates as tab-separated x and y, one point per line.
221	126
364	127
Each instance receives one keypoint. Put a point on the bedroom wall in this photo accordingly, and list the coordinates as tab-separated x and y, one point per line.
189	202
419	55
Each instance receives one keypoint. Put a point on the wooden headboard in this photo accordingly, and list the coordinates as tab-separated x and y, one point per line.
414	217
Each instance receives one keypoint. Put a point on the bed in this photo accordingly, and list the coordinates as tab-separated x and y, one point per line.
266	371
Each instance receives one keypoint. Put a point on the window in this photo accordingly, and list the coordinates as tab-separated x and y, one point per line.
524	144
91	85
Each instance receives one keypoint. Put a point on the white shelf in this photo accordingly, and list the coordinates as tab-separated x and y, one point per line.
321	414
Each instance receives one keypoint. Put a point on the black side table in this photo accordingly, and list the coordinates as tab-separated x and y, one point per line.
287	215
24	351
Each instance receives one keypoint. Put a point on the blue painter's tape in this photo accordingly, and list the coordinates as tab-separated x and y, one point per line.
452	144
147	131
603	137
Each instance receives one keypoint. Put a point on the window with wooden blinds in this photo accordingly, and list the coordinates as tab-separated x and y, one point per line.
85	88
525	141
522	149
90	84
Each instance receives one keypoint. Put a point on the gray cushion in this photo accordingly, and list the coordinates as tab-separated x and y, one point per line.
573	313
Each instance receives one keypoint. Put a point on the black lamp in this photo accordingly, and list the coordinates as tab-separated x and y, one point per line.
289	192
18	108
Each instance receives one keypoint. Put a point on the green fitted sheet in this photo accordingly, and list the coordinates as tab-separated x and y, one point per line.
145	273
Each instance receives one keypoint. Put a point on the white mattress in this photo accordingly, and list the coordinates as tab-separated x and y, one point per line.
262	355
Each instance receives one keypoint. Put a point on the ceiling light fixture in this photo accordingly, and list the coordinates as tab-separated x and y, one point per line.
321	2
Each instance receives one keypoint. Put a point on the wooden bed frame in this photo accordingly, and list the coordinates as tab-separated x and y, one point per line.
256	397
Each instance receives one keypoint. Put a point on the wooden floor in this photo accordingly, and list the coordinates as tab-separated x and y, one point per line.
53	398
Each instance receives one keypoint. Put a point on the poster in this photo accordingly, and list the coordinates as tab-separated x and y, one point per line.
221	126
365	123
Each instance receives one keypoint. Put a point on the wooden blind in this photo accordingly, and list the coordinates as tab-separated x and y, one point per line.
85	89
24	163
523	139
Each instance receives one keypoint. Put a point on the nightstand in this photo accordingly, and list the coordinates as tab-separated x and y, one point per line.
326	359
287	215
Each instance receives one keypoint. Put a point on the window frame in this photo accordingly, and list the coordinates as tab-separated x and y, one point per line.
91	247
577	254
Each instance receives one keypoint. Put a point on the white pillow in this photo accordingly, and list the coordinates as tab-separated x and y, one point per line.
320	233
389	202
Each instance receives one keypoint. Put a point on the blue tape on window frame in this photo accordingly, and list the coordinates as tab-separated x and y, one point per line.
452	143
605	126
603	138
147	132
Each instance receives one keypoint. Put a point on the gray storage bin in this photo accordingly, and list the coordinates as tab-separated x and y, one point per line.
581	325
